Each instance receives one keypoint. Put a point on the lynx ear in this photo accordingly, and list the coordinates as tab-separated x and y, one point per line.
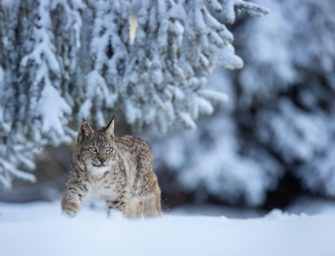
85	131
109	129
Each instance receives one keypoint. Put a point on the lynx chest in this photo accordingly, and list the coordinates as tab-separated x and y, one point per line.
111	186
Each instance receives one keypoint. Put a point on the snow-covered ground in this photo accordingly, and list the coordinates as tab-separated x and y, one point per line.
40	230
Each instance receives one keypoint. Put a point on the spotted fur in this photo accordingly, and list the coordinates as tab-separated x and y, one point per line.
115	169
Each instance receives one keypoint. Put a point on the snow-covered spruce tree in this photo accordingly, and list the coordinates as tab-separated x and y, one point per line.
296	112
280	117
37	68
62	60
215	160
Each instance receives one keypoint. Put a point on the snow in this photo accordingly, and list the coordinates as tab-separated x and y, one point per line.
189	123
216	163
91	58
279	120
6	3
52	108
312	206
40	229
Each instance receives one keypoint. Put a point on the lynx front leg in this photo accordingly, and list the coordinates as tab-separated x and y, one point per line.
115	204
73	196
152	205
134	208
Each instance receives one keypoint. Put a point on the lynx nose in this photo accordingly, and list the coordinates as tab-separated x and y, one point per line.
102	159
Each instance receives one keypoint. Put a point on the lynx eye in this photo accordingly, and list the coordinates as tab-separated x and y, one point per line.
109	149
93	149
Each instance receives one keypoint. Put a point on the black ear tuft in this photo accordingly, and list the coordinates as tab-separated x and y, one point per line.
109	129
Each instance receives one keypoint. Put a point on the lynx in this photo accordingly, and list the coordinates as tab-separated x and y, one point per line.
115	169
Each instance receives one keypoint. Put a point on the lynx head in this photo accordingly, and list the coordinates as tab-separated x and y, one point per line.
96	149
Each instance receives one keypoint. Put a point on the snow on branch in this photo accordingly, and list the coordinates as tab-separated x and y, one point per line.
176	44
250	8
228	9
64	60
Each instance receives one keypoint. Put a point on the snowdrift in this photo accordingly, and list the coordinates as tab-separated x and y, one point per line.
41	229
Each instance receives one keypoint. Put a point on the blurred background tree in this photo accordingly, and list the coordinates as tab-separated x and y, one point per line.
275	138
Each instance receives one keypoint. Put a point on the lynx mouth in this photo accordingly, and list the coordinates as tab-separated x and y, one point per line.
99	165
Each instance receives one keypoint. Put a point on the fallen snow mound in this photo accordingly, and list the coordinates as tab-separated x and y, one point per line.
41	230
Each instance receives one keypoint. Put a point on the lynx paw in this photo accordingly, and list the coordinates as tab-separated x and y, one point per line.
70	208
